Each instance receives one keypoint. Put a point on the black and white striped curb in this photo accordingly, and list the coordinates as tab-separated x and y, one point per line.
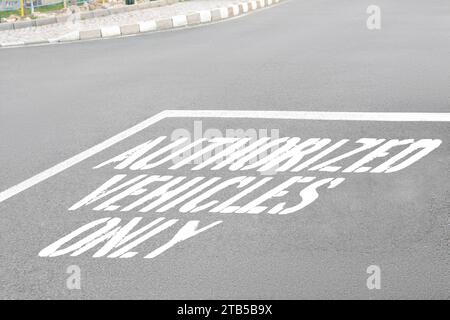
179	21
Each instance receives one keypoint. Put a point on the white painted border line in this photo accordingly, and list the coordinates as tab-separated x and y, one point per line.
314	115
254	114
44	175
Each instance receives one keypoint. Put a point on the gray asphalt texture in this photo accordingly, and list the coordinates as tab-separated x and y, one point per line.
58	100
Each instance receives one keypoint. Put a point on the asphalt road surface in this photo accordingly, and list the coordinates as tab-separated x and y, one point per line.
59	100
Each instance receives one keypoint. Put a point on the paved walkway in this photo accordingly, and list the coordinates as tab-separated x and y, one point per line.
55	31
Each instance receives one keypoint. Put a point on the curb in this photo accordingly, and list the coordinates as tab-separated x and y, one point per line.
86	14
175	22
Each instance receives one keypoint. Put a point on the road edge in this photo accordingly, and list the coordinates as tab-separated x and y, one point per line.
175	22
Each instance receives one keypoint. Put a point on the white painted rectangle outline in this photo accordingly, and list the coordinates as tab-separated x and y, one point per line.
249	114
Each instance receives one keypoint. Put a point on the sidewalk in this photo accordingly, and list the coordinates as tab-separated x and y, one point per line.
152	19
